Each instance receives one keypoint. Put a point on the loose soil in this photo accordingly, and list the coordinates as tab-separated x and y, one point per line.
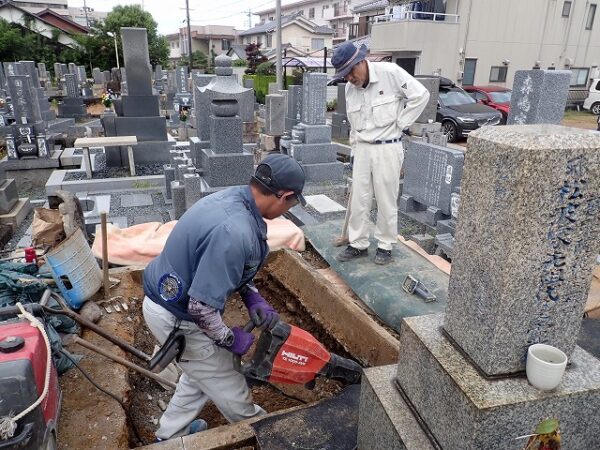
91	419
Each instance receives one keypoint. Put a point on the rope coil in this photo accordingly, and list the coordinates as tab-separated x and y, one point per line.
8	424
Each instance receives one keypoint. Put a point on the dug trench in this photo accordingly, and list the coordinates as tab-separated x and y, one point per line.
298	289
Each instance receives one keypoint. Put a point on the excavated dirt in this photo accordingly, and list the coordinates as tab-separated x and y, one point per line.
90	419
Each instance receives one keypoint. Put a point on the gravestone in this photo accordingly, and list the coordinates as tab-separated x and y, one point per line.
72	105
98	76
138	114
73	68
311	142
25	109
81	75
539	96
275	115
431	174
293	113
526	245
340	127
183	96
42	72
57	71
37	92
433	86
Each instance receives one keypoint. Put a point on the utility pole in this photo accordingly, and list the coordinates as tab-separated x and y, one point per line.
249	18
278	48
87	20
189	31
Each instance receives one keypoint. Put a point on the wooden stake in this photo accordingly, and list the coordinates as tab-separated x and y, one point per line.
105	256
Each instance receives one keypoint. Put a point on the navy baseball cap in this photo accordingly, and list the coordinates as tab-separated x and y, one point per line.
345	57
278	172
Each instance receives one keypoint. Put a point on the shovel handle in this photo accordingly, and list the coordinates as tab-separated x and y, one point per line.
237	359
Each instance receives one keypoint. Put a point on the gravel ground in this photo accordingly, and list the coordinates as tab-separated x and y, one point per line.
102	171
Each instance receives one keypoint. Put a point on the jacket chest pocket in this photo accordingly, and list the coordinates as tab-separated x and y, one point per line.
354	117
385	111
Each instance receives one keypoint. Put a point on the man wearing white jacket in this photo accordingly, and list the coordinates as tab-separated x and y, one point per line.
382	100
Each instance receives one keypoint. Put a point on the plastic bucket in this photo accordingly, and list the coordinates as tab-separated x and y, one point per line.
75	269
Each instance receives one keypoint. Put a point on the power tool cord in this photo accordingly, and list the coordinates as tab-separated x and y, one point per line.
110	394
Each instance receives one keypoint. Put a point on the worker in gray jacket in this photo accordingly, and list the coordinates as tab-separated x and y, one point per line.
382	100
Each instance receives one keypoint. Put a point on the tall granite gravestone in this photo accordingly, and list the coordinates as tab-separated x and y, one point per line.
539	96
38	93
293	113
42	72
340	128
526	244
98	76
226	162
431	174
183	96
158	78
57	71
72	105
139	107
275	115
311	140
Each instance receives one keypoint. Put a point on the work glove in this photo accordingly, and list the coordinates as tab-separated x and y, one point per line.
242	341
262	314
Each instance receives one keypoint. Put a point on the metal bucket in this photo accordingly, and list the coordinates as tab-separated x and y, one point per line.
75	269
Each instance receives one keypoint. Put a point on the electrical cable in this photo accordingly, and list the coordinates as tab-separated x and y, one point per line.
110	394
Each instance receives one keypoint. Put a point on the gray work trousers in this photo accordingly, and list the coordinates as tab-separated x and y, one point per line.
208	373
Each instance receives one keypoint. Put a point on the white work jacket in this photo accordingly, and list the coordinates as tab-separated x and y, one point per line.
392	101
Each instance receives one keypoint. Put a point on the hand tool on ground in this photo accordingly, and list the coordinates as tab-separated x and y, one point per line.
342	239
414	286
105	256
288	354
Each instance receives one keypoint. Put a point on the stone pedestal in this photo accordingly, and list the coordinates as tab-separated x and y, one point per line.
72	107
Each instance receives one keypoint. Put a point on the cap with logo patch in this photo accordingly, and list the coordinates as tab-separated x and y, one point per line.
279	172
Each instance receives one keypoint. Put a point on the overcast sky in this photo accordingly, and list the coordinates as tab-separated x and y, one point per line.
170	14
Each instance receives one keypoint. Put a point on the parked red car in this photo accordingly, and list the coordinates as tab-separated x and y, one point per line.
497	97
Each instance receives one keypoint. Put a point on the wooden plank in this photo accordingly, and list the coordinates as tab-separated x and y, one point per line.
105	141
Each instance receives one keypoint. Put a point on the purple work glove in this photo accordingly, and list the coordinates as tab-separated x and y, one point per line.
262	314
242	341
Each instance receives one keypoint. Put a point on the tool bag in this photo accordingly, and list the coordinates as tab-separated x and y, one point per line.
172	349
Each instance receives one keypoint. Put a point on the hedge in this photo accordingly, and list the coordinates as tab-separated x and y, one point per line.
261	84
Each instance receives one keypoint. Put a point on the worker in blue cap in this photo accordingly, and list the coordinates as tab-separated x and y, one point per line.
382	100
216	249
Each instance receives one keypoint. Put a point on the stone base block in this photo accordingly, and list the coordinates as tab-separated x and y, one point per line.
143	153
317	134
144	128
227	169
16	215
445	244
72	111
425	241
196	146
313	153
8	195
225	134
60	125
140	105
267	142
34	163
446	226
421	129
331	171
385	421
465	411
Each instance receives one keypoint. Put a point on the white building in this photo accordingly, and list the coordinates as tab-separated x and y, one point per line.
335	14
35	6
485	41
78	14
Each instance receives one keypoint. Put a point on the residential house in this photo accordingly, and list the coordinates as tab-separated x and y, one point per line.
299	36
174	42
62	22
335	14
48	26
364	15
486	41
35	6
211	40
83	17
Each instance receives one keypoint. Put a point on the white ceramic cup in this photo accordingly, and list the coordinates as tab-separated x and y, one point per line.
545	366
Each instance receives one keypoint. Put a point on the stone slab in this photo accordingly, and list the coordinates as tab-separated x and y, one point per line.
432	173
231	169
226	134
380	287
8	195
136	200
144	128
331	171
385	421
35	163
323	204
275	115
17	214
315	134
433	86
465	411
526	242
137	61
147	219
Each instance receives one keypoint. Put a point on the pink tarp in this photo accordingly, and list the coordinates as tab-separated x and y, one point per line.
139	244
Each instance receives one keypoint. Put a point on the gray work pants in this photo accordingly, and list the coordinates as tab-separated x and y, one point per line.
208	373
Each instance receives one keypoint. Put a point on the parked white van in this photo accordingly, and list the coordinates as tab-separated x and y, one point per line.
592	102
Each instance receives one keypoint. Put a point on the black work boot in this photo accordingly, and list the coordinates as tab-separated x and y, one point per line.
383	257
350	253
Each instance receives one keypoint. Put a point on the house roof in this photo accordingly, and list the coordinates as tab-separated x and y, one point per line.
370	5
366	40
267	27
57	19
238	49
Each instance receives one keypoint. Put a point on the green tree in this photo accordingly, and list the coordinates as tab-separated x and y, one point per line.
254	57
199	60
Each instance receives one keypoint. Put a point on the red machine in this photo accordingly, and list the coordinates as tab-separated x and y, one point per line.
23	359
288	354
